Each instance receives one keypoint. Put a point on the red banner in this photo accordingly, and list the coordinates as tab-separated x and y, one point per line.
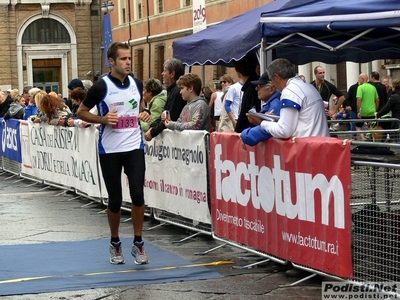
287	198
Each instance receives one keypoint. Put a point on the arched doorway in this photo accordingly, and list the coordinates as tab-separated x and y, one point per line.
46	53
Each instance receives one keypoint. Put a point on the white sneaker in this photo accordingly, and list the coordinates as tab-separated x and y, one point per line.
116	257
139	254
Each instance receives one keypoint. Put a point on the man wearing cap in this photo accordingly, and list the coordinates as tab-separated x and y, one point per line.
302	112
74	83
268	94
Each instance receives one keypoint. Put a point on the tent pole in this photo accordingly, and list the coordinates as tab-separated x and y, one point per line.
263	55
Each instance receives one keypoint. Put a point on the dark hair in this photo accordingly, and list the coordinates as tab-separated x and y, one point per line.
247	65
375	75
175	65
190	80
78	94
316	69
153	86
218	86
112	51
282	67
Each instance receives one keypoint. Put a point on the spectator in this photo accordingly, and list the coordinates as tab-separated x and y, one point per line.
385	82
74	83
207	92
195	114
173	69
215	104
155	98
31	109
268	94
302	112
26	95
246	70
5	103
392	105
367	101
225	121
327	89
17	109
87	84
55	110
380	88
77	96
233	102
351	106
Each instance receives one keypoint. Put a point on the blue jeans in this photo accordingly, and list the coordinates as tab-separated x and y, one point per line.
352	126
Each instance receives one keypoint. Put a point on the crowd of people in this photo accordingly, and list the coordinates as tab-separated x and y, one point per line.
127	111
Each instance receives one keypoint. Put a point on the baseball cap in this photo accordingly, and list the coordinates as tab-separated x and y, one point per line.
9	90
74	83
264	79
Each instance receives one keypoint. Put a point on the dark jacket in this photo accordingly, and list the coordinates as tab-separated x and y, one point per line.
249	100
174	105
5	106
393	105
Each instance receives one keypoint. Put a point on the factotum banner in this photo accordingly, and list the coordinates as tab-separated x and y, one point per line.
287	198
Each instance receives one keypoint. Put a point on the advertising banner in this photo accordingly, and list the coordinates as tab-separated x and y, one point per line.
176	174
10	142
287	198
63	155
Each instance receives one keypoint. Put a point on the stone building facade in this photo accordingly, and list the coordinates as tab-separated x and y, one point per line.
46	44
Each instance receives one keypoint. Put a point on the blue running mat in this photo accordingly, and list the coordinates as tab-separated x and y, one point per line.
70	266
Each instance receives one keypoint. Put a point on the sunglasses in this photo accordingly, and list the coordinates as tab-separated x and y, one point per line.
223	81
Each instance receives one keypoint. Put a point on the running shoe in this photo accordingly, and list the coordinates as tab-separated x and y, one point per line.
116	257
139	254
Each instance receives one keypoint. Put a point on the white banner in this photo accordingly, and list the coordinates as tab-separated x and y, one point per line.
199	15
176	174
62	155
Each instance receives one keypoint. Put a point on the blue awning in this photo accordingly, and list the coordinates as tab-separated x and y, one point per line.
228	40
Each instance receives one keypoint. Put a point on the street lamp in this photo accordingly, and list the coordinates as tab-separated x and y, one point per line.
107	7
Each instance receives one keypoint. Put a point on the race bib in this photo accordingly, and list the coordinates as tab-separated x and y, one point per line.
126	123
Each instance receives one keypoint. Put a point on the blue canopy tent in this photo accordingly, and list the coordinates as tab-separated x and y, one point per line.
334	31
229	40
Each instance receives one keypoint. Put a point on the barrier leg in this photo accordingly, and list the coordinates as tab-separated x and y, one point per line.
210	250
12	176
154	227
70	199
186	238
88	204
126	220
19	180
299	281
251	265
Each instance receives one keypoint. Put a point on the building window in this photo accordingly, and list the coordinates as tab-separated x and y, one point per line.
139	64
46	31
122	12
159	61
138	9
187	3
218	72
123	16
159	6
